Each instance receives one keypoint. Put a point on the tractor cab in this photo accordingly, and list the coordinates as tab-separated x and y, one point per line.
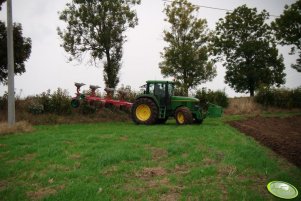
161	90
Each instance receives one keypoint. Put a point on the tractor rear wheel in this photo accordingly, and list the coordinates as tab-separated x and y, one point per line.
183	116
144	111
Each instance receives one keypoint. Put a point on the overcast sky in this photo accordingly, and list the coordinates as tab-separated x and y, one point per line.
47	67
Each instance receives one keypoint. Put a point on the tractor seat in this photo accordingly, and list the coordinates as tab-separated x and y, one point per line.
94	87
109	89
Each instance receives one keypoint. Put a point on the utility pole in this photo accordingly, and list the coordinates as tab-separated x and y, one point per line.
10	63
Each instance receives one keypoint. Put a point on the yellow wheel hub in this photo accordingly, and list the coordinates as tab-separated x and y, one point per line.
143	112
180	118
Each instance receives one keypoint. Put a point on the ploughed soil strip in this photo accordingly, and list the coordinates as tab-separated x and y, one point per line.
283	135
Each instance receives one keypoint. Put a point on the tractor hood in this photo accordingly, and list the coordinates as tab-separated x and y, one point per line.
184	99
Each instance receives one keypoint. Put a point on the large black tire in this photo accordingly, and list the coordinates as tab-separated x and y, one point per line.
183	116
144	111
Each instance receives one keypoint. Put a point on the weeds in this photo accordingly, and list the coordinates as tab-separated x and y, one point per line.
243	105
19	127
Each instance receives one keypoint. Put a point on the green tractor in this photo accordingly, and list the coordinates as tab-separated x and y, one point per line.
158	103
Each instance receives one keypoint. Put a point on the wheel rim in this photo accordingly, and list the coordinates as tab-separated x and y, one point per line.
143	112
180	118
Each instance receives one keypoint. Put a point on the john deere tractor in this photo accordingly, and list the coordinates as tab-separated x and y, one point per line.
158	103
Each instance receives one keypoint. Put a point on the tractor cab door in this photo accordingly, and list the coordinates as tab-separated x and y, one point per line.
169	93
160	93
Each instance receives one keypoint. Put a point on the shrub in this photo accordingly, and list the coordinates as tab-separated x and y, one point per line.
36	108
60	102
3	102
57	103
282	98
126	93
86	108
296	97
216	97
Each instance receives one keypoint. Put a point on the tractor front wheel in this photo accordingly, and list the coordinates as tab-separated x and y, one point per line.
183	116
144	111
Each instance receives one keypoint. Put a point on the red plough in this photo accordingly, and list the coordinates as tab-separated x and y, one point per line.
93	99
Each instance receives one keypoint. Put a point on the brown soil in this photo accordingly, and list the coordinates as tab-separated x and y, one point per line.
283	135
152	172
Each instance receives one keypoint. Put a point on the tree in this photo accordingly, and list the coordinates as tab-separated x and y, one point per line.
1	2
288	30
246	45
187	56
97	28
22	50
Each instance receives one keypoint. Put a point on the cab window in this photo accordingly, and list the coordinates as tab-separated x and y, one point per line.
159	89
170	89
151	88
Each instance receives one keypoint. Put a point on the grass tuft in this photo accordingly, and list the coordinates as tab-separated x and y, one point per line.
19	127
243	105
248	106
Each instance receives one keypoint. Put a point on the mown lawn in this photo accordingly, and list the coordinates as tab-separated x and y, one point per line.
123	161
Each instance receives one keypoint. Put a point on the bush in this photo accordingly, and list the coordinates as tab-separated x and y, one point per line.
56	103
282	98
296	97
3	102
216	97
36	108
126	93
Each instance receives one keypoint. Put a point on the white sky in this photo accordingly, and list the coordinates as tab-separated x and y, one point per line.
47	67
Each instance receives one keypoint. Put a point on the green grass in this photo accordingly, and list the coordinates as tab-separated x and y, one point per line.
123	161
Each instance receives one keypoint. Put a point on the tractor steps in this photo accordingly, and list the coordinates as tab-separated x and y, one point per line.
162	112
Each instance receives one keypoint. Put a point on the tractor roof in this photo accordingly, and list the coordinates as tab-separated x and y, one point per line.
159	81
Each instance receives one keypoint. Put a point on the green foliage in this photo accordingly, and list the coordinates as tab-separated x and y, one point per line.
86	108
245	44
36	108
57	103
1	2
216	97
22	50
126	93
287	29
96	28
186	57
283	98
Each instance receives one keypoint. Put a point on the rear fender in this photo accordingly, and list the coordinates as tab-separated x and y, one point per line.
150	97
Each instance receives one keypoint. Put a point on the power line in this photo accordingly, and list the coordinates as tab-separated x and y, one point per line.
214	8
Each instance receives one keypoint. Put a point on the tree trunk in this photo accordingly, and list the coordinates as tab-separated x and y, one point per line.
251	93
108	70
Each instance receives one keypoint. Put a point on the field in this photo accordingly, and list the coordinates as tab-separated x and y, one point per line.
282	135
123	161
